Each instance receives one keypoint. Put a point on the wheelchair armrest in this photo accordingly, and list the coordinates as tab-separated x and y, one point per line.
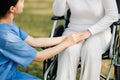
58	18
106	54
117	23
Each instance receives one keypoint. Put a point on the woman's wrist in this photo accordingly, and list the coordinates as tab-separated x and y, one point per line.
64	37
86	34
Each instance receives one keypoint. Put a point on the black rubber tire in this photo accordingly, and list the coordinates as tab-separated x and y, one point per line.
117	51
117	71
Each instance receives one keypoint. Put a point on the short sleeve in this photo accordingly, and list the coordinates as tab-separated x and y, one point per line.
17	50
23	34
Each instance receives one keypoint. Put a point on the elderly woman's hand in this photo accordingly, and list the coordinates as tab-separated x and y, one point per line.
85	34
73	39
77	37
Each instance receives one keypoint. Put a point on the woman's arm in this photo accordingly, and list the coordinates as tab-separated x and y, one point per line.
111	15
60	7
43	42
48	53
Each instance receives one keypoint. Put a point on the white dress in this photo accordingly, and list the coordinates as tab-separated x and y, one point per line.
96	16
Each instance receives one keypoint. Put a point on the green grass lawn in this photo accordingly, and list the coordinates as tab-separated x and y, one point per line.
36	20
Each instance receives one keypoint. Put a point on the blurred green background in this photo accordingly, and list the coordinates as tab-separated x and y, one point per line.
35	18
36	21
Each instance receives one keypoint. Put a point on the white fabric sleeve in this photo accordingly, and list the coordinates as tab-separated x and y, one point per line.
60	7
111	15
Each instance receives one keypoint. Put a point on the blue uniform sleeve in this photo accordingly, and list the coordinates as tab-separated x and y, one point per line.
17	50
23	34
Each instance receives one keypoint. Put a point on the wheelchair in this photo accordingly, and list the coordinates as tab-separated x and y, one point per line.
113	53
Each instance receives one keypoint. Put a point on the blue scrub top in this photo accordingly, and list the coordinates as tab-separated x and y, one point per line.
13	51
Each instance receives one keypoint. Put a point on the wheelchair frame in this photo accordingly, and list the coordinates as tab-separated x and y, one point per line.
50	65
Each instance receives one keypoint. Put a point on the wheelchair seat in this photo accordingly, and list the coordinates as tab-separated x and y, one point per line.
113	53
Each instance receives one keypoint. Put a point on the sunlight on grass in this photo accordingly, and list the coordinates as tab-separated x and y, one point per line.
34	18
41	12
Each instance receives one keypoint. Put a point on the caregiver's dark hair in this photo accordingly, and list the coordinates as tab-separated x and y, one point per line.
5	6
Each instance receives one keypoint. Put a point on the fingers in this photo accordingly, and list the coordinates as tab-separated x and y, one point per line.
77	37
70	39
74	38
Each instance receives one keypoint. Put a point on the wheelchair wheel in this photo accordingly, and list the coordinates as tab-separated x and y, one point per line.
50	66
51	63
117	52
117	72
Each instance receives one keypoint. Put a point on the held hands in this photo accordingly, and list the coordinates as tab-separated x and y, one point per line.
77	37
73	39
85	34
